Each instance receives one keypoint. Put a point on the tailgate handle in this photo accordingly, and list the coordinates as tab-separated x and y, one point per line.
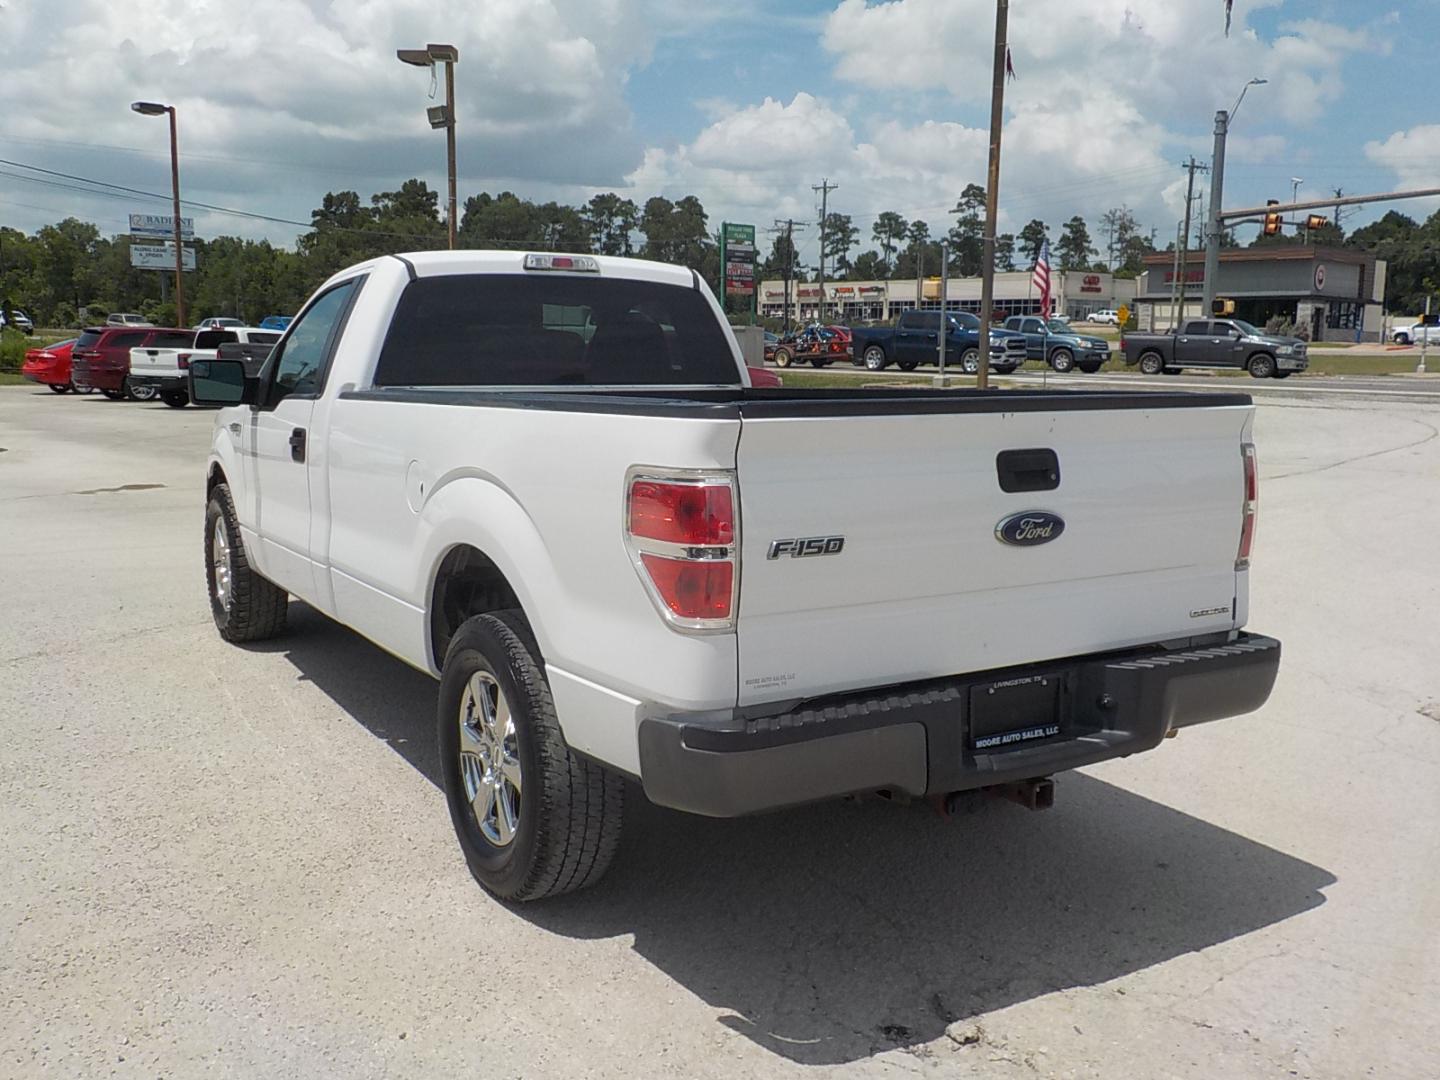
1028	470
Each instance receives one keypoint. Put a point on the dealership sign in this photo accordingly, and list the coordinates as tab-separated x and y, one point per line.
161	226
1091	283
737	255
160	256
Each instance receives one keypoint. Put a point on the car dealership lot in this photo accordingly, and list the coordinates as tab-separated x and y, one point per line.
236	862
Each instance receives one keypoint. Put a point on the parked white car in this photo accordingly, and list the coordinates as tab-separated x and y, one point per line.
1416	333
165	371
1107	317
545	480
120	318
17	320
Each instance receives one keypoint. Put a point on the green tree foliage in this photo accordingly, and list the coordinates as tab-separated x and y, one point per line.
869	266
1035	233
840	236
967	247
610	222
1411	251
1074	248
1005	252
889	231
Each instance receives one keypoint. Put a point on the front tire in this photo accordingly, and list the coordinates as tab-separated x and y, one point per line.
1262	366
783	358
1062	360
533	820
58	387
970	361
874	358
1402	339
1151	363
246	606
113	395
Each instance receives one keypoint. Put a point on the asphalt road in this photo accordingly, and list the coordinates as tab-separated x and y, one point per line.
236	862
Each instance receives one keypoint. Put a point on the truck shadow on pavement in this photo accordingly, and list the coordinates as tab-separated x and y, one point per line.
835	932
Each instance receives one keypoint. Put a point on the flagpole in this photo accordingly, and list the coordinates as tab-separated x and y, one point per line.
992	190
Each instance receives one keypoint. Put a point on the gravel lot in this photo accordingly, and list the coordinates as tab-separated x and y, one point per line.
236	862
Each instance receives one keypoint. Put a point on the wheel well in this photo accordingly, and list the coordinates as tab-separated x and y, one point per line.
1257	355
214	480
468	583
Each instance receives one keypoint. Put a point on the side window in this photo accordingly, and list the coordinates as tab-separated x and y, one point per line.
301	361
1198	328
909	320
128	340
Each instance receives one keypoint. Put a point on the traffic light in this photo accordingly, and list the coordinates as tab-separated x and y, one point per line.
1316	221
1222	307
1272	218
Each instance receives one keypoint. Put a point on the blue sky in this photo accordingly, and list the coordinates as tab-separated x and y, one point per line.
746	106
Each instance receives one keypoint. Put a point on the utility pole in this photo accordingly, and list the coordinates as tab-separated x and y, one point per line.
944	316
787	272
992	195
1216	231
1183	255
1339	194
824	187
1424	341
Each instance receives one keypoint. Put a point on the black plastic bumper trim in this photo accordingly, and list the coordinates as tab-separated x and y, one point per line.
917	738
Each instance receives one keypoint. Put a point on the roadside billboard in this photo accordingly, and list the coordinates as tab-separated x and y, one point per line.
160	256
161	226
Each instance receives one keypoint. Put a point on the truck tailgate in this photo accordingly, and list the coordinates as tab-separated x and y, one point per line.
1150	494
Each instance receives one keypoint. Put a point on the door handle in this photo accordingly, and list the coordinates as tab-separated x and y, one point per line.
1184	341
297	444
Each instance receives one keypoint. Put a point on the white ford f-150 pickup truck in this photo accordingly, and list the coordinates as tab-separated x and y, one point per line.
547	481
166	371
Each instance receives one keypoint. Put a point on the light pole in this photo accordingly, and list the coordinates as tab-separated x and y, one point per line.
442	116
151	108
1217	191
1295	183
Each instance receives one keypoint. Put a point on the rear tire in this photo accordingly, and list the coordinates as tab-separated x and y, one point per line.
543	821
143	393
907	365
113	395
58	387
1402	339
875	359
246	606
176	399
1151	363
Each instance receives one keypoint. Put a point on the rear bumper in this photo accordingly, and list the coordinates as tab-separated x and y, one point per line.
161	382
917	738
83	374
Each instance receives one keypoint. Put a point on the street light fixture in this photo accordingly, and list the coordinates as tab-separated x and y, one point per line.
1217	192
151	108
440	116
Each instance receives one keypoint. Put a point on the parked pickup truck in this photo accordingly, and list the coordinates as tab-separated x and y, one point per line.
914	340
1052	341
165	371
1216	343
547	481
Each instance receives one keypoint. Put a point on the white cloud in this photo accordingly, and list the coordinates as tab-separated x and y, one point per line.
1414	155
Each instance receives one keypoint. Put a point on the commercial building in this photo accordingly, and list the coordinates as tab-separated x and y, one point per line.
1336	294
1074	293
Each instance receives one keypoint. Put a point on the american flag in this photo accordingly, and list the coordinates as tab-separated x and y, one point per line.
1041	277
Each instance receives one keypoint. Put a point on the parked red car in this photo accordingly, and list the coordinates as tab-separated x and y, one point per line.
100	359
50	365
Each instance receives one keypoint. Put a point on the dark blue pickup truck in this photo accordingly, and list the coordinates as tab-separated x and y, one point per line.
915	340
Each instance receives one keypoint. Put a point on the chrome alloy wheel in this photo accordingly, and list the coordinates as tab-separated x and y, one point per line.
220	564
490	759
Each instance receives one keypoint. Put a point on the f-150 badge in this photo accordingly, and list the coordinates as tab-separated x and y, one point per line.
806	546
1029	528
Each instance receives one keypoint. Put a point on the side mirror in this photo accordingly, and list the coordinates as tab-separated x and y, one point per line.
221	382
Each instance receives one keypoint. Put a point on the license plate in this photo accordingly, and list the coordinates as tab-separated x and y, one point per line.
1012	712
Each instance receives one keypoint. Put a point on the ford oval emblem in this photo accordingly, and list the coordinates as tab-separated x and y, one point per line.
1029	528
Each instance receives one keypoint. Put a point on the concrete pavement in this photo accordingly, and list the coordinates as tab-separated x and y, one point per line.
236	862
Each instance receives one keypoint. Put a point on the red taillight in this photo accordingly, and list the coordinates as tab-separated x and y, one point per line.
696	515
681	532
1251	505
184	361
692	590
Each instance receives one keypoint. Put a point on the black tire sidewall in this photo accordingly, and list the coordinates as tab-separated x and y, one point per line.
1157	362
970	361
1262	367
479	645
782	358
1062	357
219	508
